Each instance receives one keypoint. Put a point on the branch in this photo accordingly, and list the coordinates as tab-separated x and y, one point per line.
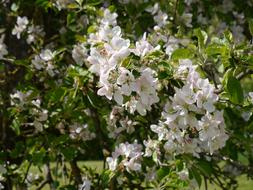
175	12
43	184
244	74
240	76
26	173
76	172
48	179
205	180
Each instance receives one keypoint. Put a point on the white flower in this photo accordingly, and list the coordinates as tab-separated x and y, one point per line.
22	97
47	55
105	34
109	18
45	61
86	185
106	91
33	33
237	32
189	2
79	53
38	63
80	132
153	10
126	80
184	174
1	186
145	87
2	170
160	130
118	97
251	96
161	18
151	147
3	48
143	47
186	18
131	154
173	43
96	60
151	174
20	27
227	6
202	20
117	48
132	165
43	115
62	4
112	163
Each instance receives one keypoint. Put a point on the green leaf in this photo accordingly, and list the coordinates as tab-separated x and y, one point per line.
71	18
16	125
228	74
44	3
219	50
216	49
228	36
94	2
106	177
38	156
202	37
58	94
91	29
154	157
194	173
163	172
73	6
180	7
205	167
234	90
251	26
181	54
69	153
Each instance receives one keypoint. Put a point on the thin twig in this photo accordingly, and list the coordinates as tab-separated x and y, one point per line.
48	179
43	184
27	171
175	12
205	180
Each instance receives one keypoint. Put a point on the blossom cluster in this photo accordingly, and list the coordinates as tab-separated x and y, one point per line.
45	62
33	32
107	52
127	155
78	131
24	100
118	122
190	122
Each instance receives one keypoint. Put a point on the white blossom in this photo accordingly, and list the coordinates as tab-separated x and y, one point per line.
143	47
3	47
62	4
20	26
186	18
34	32
44	61
1	186
86	185
79	53
131	155
79	131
